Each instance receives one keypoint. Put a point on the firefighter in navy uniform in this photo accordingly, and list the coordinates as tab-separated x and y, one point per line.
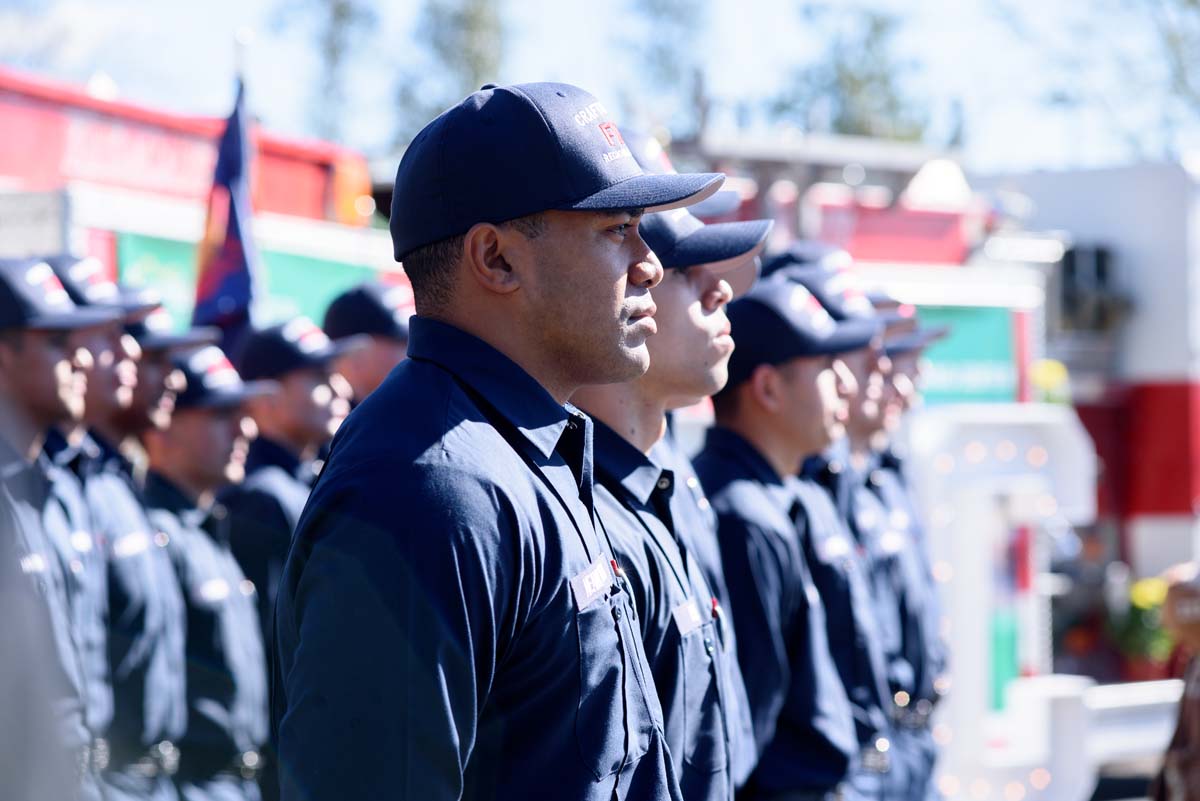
79	545
450	625
816	717
142	609
39	389
221	750
654	522
899	583
374	316
924	648
293	424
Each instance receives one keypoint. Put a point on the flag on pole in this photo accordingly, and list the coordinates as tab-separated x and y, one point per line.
227	260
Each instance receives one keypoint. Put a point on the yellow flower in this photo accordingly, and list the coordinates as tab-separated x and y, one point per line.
1148	593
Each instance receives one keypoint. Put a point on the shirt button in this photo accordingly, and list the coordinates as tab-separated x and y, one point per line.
618	612
76	566
709	647
664	483
703	503
246	586
161	539
693	482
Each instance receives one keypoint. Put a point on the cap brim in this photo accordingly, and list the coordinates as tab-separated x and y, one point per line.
231	399
336	348
652	192
915	340
80	317
136	301
850	335
721	246
719	204
192	338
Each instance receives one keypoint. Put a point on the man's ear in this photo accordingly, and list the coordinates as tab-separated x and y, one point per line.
488	251
764	388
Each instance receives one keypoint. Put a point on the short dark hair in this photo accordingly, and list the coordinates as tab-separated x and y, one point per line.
13	337
726	402
431	268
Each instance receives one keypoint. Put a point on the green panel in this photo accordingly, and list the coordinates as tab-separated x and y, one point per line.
165	264
294	285
1004	667
976	362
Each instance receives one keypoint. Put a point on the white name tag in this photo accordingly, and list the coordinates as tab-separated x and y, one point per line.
687	617
834	547
591	583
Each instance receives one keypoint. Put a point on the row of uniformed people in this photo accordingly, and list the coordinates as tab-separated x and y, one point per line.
158	684
510	582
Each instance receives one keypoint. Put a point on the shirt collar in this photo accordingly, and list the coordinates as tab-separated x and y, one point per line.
266	452
162	493
741	448
12	464
512	391
107	452
617	458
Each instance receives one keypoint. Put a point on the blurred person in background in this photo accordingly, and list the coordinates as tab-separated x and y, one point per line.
142	609
902	589
851	570
1179	778
783	402
221	751
375	315
46	720
292	425
101	358
644	506
890	507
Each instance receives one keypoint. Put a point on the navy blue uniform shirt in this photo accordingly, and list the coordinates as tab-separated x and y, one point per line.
841	571
449	623
145	628
85	567
693	514
34	511
263	512
803	722
226	666
682	633
884	513
890	484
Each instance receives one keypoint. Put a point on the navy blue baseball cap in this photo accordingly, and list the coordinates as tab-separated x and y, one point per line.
88	284
840	292
212	382
808	253
373	308
279	349
682	240
778	321
916	339
510	151
33	297
156	331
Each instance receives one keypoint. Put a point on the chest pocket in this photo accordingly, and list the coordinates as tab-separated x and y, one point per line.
614	721
703	711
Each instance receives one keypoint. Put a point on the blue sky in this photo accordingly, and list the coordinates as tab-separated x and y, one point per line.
179	55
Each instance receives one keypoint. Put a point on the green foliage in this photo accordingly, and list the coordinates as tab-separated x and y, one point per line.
337	26
463	43
856	86
1138	630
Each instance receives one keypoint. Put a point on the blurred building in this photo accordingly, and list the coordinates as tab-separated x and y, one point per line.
128	185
